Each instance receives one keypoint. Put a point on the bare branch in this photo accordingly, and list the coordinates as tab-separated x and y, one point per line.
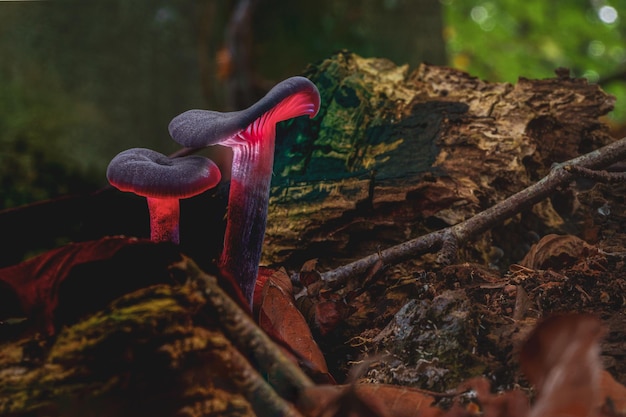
487	219
247	336
600	176
262	397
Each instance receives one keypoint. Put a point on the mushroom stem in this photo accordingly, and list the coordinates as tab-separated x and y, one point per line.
250	133
163	181
247	211
164	219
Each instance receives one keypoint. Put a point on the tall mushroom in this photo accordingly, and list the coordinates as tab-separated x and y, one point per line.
251	134
163	181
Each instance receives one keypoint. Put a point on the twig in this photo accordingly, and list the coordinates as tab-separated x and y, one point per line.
247	336
262	397
600	176
449	248
488	218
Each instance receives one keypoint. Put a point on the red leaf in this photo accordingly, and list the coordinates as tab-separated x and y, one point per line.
261	279
38	282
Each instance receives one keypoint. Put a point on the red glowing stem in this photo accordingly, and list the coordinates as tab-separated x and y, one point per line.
253	160
247	212
164	219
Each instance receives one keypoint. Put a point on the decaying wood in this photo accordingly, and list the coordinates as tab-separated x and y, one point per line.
394	155
156	351
240	328
133	358
460	233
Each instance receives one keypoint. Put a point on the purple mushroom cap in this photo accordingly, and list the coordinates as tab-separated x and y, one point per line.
200	128
151	174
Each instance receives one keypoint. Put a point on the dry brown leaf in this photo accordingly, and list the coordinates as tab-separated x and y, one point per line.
561	358
279	316
366	400
612	394
556	252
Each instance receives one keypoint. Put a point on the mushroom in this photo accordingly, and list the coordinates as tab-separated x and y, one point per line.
250	133
163	181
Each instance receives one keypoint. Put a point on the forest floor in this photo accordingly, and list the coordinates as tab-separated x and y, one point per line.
94	321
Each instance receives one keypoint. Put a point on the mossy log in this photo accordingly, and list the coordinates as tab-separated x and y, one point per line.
142	355
181	348
395	153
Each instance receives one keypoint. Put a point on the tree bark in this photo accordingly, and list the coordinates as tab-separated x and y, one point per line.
395	154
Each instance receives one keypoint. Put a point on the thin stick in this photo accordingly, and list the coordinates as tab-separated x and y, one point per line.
487	219
599	176
260	394
247	336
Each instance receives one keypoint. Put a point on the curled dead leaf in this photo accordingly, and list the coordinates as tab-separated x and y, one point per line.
556	252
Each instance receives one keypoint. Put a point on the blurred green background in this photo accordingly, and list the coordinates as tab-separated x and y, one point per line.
81	81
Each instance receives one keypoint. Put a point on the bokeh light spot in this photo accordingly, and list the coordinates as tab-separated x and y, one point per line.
479	14
596	48
607	14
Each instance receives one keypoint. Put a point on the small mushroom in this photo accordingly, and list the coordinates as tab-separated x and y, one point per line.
163	181
250	133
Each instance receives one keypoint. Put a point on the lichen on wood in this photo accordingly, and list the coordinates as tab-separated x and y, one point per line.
142	355
395	153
